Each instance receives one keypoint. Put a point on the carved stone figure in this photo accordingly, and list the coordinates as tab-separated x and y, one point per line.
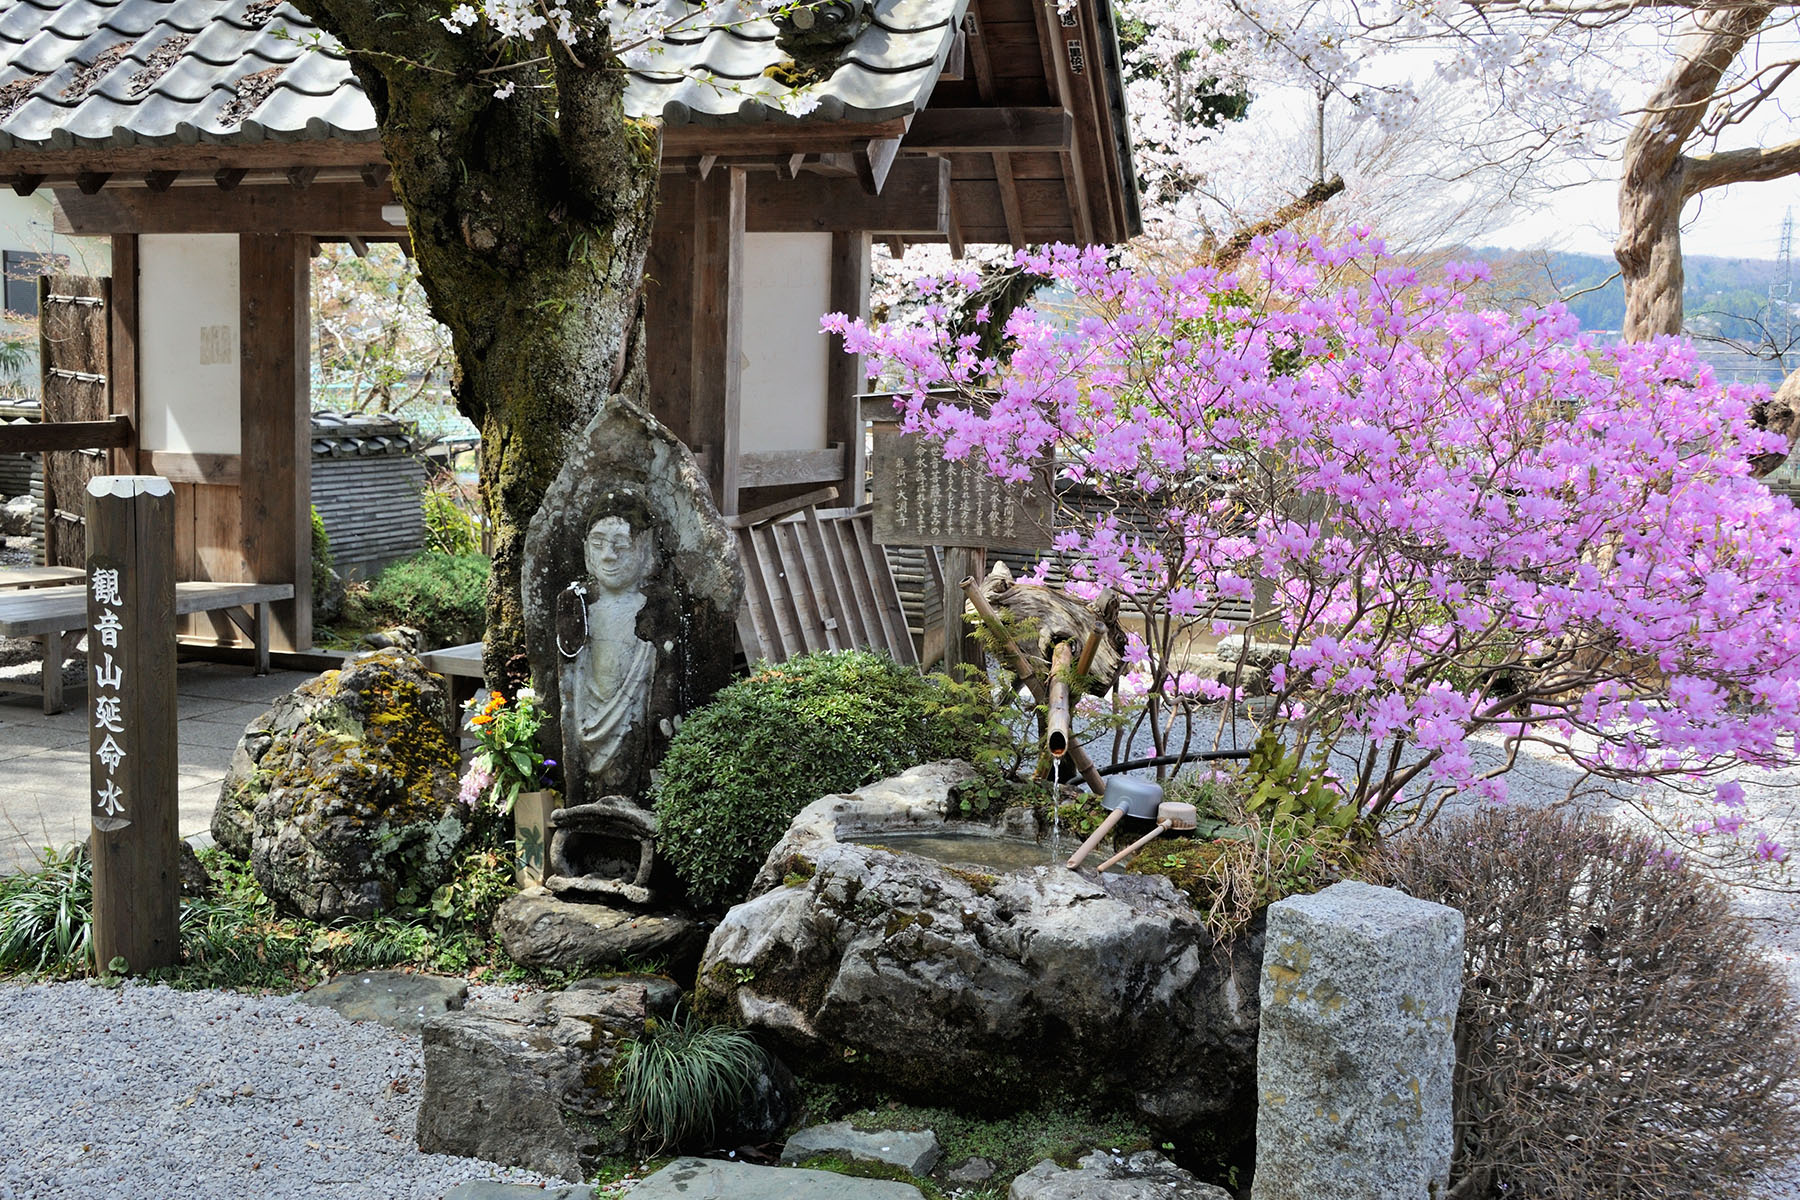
631	585
605	668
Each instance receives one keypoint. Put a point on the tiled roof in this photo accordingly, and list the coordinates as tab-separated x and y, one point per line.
349	435
160	72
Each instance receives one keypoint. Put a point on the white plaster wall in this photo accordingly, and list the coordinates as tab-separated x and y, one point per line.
188	345
787	288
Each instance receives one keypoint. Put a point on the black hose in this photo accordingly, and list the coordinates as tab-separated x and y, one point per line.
1173	760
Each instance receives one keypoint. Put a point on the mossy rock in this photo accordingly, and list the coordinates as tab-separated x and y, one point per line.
343	795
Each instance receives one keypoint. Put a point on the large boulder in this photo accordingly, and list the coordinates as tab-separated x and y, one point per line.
538	929
936	979
343	795
531	1083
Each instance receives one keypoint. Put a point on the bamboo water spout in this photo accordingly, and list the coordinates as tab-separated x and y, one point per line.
1030	676
1056	740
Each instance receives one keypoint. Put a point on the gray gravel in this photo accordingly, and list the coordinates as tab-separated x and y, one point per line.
139	1091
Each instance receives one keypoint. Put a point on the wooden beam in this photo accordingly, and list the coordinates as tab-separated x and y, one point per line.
844	378
718	314
915	201
953	232
1009	199
773	139
122	350
212	469
92	181
1056	58
985	130
326	209
301	177
25	184
873	163
276	424
201	159
161	181
373	174
229	177
35	437
787	468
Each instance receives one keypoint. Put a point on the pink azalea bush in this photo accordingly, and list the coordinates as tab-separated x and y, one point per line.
1451	524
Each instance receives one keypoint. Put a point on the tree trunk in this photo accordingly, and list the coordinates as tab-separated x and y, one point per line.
1654	178
530	219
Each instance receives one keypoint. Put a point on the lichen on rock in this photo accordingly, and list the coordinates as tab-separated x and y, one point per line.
343	795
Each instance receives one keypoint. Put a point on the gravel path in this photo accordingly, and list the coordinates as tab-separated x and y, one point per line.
130	1092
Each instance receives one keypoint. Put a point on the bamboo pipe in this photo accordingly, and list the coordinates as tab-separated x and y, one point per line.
1057	739
1085	663
1027	674
1173	815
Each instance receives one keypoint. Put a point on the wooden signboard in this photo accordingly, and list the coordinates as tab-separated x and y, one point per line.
923	500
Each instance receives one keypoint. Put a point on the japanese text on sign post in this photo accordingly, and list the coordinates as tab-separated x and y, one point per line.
109	798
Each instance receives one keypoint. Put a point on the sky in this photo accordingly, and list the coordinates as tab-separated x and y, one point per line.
1742	221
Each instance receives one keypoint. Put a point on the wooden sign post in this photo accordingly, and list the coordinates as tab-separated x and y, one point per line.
131	703
922	499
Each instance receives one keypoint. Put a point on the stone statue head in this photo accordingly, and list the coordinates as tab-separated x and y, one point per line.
617	559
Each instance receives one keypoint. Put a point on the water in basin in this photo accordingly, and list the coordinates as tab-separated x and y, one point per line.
994	852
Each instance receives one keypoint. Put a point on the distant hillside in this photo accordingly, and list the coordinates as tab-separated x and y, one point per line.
1743	300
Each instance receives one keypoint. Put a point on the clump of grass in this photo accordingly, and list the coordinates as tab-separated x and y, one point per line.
234	938
682	1077
47	916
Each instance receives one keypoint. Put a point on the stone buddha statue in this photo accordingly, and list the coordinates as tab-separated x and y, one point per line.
606	670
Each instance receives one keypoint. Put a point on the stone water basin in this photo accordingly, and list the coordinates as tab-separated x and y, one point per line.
982	849
930	957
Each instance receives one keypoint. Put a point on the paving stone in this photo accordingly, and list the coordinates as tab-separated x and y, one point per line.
1145	1175
711	1179
483	1189
393	998
915	1152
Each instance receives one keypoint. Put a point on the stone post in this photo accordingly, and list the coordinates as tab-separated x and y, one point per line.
1354	1059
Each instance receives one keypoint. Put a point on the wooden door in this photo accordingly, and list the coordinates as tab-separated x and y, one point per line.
73	359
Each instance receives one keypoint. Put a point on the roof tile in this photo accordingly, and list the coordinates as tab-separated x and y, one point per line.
711	76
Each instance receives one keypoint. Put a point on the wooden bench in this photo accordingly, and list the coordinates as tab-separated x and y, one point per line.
16	578
461	668
56	614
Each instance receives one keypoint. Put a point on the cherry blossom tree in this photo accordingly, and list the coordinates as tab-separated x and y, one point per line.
378	348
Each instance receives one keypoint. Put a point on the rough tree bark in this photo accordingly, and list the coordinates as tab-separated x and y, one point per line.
530	219
1656	178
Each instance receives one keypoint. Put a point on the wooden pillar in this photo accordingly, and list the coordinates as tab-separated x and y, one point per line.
960	643
122	367
717	353
669	308
276	415
131	700
850	268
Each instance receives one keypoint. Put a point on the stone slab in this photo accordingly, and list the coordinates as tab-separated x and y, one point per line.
483	1189
914	1152
393	998
1145	1175
712	1179
539	930
1359	993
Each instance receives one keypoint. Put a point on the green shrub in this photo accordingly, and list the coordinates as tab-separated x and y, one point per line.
678	1081
767	746
47	916
449	529
443	596
1620	1034
321	557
